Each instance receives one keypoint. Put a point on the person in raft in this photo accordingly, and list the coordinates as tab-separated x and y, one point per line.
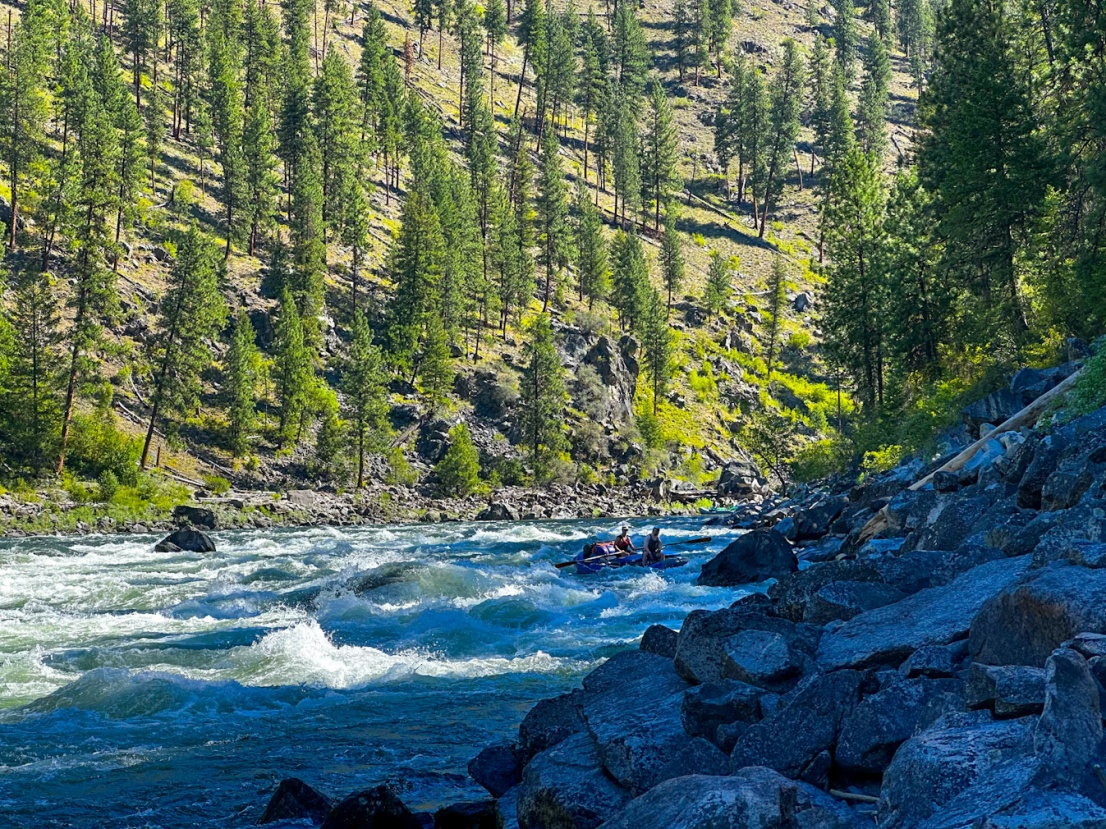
623	543
653	550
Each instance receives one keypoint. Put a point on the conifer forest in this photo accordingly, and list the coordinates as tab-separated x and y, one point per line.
275	245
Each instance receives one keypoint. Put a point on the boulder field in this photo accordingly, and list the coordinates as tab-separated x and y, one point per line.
948	673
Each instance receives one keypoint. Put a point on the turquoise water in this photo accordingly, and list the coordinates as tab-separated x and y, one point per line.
143	689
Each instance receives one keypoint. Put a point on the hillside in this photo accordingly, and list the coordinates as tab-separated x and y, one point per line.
718	404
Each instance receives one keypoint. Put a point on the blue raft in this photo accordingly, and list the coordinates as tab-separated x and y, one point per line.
590	568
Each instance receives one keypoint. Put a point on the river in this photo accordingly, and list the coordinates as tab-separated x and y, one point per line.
143	689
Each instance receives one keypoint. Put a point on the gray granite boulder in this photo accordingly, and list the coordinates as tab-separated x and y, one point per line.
1007	690
937	616
753	798
754	557
566	787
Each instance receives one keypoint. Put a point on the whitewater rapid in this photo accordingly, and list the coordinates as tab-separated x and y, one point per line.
144	689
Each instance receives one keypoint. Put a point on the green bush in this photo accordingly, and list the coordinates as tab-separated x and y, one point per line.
458	471
399	470
650	428
217	484
109	485
1089	393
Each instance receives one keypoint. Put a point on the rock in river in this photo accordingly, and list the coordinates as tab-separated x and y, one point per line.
754	557
192	541
295	800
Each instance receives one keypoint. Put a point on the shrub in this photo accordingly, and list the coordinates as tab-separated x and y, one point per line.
588	392
508	471
400	471
1089	393
217	484
650	428
592	323
458	471
98	446
882	459
109	485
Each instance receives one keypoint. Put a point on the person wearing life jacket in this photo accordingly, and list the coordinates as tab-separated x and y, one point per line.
652	550
623	543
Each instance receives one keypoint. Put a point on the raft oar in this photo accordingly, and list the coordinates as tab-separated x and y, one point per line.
562	564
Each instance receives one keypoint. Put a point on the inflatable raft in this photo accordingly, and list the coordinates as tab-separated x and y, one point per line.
597	562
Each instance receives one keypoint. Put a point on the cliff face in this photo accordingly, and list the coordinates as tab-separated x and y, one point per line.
947	673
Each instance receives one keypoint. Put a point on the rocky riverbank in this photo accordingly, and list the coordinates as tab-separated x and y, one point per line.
55	513
948	673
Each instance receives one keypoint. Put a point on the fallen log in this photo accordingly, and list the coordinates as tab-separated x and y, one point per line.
881	520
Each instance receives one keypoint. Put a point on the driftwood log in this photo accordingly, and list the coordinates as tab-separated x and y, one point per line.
881	520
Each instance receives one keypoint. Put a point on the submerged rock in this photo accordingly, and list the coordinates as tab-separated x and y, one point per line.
296	800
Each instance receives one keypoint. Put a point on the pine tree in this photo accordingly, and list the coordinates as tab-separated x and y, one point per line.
592	83
94	86
141	31
592	266
415	267
672	260
871	116
631	280
495	28
656	342
721	27
683	37
186	37
820	105
132	168
719	283
542	396
458	472
24	101
915	25
337	130
365	393
752	140
552	210
985	163
435	367
880	13
32	379
630	52
225	99
660	150
626	159
241	371
783	126
293	377
855	295
532	39
777	298
846	36
192	313
260	180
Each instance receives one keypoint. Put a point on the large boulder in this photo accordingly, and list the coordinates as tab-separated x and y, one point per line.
376	808
936	616
707	707
296	800
753	798
796	733
192	541
845	599
935	767
872	732
566	787
754	557
631	707
498	511
549	722
814	521
792	593
1069	731
1006	690
660	640
740	479
994	409
761	658
496	768
1024	622
701	647
919	569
